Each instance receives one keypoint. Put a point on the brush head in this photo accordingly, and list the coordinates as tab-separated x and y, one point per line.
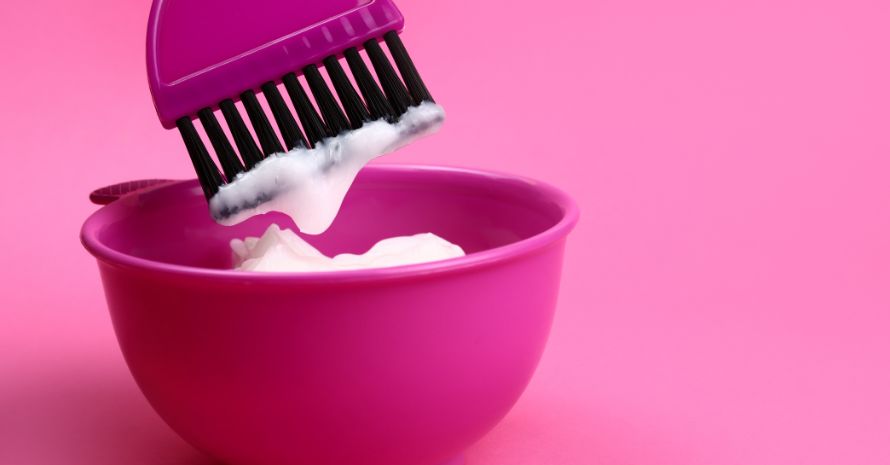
200	52
197	65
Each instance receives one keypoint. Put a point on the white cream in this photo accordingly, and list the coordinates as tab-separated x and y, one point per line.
309	184
283	250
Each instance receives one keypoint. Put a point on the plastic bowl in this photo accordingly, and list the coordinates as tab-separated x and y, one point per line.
396	366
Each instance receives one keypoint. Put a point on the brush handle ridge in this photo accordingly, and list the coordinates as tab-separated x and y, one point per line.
201	52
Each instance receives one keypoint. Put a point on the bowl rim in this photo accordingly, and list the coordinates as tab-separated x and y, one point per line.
95	222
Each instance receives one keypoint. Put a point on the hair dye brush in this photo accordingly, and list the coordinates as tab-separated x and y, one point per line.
206	56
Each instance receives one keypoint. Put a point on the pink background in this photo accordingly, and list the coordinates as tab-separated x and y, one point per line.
726	295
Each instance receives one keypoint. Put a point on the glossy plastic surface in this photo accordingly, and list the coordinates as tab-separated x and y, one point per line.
399	366
200	52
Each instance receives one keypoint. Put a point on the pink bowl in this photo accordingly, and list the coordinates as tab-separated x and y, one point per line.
400	366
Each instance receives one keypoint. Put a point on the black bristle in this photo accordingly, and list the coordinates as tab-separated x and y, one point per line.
208	175
393	87
352	103
378	106
396	92
264	132
224	152
406	68
290	132
330	110
247	147
312	123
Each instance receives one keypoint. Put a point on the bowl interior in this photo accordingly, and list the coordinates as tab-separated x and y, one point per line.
475	210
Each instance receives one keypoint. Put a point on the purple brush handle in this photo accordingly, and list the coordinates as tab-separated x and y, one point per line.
201	52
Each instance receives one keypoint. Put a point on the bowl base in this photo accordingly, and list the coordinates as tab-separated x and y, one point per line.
459	459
